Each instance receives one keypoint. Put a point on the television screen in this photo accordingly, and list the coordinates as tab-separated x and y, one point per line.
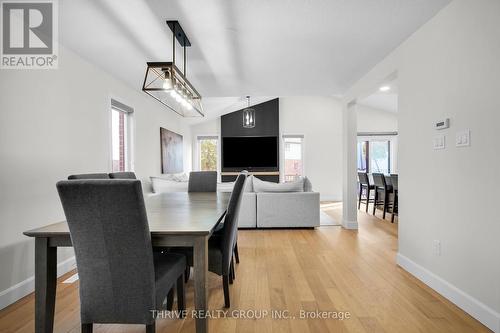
250	152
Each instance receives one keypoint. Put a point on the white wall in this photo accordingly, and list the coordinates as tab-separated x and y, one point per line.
450	68
375	120
319	119
372	120
54	123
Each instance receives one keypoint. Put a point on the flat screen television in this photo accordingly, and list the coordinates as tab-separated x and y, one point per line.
250	153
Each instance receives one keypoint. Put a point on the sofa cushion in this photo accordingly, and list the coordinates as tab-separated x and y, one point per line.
228	186
307	185
263	186
166	184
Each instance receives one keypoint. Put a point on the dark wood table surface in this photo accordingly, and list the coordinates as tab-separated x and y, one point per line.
175	219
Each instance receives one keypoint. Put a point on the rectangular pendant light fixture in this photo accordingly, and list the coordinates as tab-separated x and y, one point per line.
168	84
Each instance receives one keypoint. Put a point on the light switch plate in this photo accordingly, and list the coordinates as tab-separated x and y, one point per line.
462	138
439	142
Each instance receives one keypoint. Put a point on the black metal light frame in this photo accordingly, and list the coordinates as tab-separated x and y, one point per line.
159	72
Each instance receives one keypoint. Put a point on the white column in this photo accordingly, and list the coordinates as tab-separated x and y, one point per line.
349	193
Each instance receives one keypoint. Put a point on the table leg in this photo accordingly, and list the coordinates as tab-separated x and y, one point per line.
45	285
200	250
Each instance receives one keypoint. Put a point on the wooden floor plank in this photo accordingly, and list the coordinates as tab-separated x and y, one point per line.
327	269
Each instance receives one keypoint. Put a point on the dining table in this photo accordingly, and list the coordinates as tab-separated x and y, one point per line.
176	219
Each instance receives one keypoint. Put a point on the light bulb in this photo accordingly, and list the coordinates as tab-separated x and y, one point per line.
173	93
167	84
189	106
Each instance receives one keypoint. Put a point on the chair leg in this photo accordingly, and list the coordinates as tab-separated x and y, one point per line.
359	196
170	299
187	272
394	206
181	296
375	201
367	198
151	328
225	286
236	253
232	276
385	205
87	328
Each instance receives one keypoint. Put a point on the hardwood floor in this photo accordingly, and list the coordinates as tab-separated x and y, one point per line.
327	269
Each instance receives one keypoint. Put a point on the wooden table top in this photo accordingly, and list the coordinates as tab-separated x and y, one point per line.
175	213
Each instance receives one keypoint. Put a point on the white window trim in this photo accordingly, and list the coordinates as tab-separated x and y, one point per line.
197	165
282	154
129	133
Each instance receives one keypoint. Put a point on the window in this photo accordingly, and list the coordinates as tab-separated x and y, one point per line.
363	156
207	153
293	156
380	157
121	152
377	154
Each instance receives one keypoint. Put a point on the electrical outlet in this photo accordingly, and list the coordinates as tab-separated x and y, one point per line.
437	247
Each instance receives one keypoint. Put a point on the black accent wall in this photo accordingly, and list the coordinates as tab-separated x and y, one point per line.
266	124
267	121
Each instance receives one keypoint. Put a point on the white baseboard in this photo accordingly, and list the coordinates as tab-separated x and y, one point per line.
484	314
23	288
351	225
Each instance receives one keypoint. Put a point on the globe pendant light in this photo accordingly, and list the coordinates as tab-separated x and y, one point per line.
248	115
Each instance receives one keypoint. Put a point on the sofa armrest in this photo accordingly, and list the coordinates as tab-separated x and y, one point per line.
248	211
288	210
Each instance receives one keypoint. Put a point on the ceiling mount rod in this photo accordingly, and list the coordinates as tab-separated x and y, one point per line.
184	58
179	34
173	45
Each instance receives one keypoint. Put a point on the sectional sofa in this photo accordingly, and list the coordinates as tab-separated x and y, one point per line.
264	204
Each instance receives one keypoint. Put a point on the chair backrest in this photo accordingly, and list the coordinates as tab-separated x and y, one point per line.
231	222
202	181
90	176
394	181
379	180
110	235
122	175
363	178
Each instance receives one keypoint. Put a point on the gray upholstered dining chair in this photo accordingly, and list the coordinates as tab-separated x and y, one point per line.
221	244
121	280
202	181
89	176
122	175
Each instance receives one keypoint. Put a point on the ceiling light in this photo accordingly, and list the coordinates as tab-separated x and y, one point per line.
169	85
384	88
167	82
248	115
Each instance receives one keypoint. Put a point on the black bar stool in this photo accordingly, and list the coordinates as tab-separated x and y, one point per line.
382	191
394	181
364	184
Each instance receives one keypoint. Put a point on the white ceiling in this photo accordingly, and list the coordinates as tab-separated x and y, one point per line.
258	47
383	100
